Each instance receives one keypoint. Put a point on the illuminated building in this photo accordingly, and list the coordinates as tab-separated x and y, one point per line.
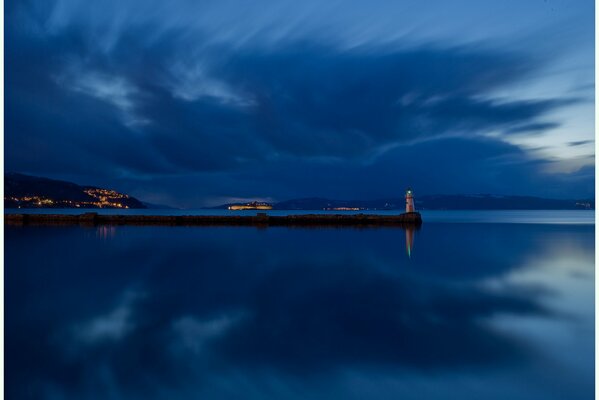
251	206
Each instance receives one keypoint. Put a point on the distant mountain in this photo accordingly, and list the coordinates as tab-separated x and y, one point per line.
157	206
26	191
494	202
437	202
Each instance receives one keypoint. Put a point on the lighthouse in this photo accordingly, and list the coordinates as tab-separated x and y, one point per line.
409	201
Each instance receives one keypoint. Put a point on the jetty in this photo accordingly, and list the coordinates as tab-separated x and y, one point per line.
409	219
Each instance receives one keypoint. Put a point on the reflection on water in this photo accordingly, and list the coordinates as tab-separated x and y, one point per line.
489	311
409	240
105	231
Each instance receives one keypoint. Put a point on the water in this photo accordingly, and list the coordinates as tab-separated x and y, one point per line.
453	310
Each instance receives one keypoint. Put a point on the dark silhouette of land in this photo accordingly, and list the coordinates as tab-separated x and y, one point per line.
435	202
261	219
25	191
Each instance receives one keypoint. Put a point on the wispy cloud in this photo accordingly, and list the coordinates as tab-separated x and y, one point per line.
215	91
114	90
580	142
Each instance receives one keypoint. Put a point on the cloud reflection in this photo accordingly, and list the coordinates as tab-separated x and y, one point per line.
220	305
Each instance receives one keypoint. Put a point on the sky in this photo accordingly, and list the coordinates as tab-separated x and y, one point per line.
198	103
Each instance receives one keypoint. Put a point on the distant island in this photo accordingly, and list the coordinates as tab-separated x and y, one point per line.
26	191
433	202
254	205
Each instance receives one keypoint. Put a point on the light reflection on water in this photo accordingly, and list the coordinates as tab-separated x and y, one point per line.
105	231
475	311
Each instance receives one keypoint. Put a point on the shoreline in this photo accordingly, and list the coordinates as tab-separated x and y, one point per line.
261	219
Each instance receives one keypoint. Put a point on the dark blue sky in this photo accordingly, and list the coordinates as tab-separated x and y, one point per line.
193	103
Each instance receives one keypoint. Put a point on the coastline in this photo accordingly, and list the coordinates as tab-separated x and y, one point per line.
260	219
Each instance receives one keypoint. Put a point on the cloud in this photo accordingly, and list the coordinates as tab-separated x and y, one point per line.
170	102
580	142
534	128
449	165
112	90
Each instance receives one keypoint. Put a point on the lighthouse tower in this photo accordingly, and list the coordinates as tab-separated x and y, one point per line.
409	201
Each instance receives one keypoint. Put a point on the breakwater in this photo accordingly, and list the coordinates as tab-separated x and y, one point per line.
261	219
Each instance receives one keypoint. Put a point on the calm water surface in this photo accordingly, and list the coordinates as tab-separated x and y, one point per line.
464	310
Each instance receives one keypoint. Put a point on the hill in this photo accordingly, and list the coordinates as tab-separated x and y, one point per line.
26	191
